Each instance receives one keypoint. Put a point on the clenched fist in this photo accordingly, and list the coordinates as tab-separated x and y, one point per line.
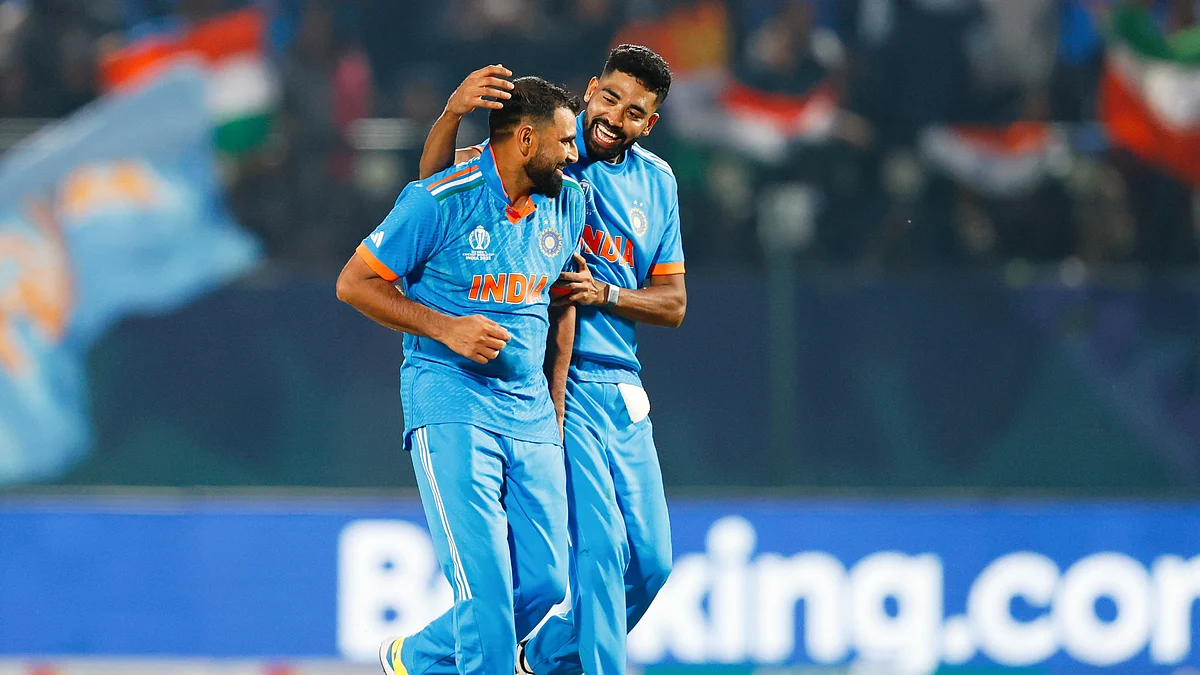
476	337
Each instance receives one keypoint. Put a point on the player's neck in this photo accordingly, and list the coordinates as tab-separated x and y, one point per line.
517	185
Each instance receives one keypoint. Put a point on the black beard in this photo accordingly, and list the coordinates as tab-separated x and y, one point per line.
546	179
604	154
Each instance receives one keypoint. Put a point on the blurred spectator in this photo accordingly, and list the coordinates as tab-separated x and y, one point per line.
511	32
1014	49
915	69
327	85
583	32
57	52
1080	56
400	36
780	55
14	85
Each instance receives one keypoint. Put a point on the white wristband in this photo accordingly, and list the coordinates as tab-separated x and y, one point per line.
614	294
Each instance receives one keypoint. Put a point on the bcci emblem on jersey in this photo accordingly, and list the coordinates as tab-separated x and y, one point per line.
550	242
637	219
479	239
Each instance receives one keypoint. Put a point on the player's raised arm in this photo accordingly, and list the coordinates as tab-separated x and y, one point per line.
475	92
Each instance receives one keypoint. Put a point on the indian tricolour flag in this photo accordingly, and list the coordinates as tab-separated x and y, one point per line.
1150	96
809	116
243	92
999	161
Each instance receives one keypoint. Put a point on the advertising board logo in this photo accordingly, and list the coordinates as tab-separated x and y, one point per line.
888	609
730	604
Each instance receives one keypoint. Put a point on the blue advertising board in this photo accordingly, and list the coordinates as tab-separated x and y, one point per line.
912	586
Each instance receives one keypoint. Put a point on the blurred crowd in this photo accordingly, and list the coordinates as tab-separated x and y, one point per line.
874	133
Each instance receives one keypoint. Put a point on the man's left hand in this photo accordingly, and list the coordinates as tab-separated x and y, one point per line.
579	287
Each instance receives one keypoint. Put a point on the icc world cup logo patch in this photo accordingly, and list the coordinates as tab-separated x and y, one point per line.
479	239
550	242
637	219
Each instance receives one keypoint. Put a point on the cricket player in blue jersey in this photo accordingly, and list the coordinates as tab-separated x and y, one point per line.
476	249
632	272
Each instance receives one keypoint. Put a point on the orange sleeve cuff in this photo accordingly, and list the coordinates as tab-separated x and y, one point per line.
664	269
379	268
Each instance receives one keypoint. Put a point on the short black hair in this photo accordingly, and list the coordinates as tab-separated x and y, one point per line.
533	100
642	64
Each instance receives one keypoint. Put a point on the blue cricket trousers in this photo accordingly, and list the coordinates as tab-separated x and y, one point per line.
498	517
620	531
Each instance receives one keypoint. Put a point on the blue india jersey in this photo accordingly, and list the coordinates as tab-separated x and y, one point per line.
455	244
632	233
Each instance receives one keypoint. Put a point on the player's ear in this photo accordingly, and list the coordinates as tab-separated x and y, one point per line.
526	139
650	122
593	85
